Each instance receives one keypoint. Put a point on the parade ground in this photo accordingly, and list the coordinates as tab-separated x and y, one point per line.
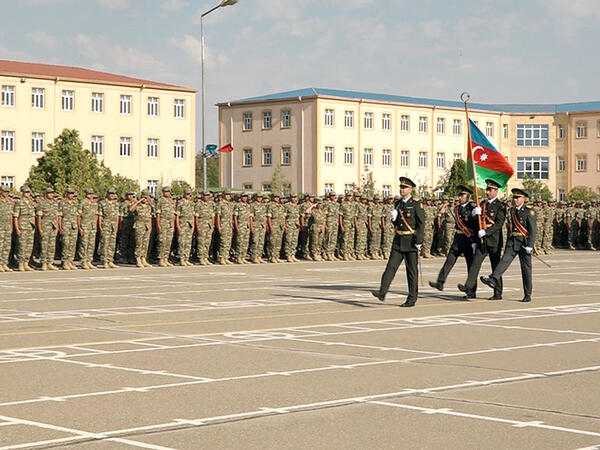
299	356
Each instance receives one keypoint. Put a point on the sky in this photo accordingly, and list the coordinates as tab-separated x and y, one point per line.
527	51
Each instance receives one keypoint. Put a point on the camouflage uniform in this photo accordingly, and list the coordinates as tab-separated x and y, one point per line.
24	213
362	220
185	212
332	210
242	213
276	216
388	230
348	218
205	216
48	213
448	222
317	218
89	212
165	214
587	224
142	226
292	230
548	228
224	210
108	211
303	234
69	210
540	215
257	242
430	216
127	233
6	210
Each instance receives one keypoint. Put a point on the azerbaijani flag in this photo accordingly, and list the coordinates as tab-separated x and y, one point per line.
488	161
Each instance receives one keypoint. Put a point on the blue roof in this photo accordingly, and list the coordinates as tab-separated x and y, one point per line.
509	108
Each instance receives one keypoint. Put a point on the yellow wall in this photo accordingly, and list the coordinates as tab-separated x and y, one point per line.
588	146
23	119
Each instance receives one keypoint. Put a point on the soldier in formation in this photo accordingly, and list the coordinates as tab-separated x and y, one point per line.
255	228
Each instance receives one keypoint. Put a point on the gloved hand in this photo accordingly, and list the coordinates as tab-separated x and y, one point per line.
476	211
474	247
419	247
393	214
481	233
528	250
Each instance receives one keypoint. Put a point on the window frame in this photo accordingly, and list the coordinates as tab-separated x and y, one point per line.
38	139
8	94
523	171
247	119
581	157
489	129
8	180
245	152
10	137
267	120
67	100
441	124
526	135
561	164
368	120
264	152
40	95
348	156
422	160
179	108
329	118
125	143
440	157
153	144
457	127
125	102
368	156
386	154
179	149
289	156
423	124
386	121
97	102
405	123
326	153
348	119
404	154
286	119
153	106
96	141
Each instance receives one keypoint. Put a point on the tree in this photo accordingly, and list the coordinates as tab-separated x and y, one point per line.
582	194
454	178
177	187
279	183
212	172
68	164
536	189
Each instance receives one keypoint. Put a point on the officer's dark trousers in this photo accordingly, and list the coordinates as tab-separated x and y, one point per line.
460	246
478	259
393	263
524	259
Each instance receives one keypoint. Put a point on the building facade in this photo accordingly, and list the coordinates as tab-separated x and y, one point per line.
140	129
328	140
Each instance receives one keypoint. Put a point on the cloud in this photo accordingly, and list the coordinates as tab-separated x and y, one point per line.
42	39
192	47
173	5
41	2
115	4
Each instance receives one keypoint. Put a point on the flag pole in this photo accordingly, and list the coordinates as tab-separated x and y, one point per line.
465	97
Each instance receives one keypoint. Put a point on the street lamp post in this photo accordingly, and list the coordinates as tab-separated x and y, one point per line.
204	155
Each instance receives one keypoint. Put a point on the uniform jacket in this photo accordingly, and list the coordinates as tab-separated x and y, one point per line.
494	215
415	217
526	218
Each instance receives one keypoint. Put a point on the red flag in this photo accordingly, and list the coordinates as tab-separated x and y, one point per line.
226	149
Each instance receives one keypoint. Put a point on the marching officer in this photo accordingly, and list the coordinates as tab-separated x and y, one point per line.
520	242
464	237
493	214
408	219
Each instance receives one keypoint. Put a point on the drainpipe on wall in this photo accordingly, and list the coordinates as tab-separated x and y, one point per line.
54	110
358	152
140	138
231	142
433	156
569	152
301	145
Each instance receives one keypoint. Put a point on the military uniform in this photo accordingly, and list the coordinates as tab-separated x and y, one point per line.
24	214
109	219
6	228
165	219
548	229
242	214
374	218
408	220
332	210
205	223
276	220
523	233
89	212
142	226
47	213
362	222
259	229
292	230
388	228
70	215
430	216
316	224
347	228
127	233
185	217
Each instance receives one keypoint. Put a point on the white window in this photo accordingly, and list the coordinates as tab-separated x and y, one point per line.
457	127
247	126
562	195
37	142
247	157
581	163
247	186
387	158
266	120
68	100
179	149
532	135
153	106
422	124
581	130
328	188
441	125
8	95
8	141
349	119
456	156
347	188
152	148
348	155
125	146
267	159
562	164
125	104
368	121
441	160
368	157
404	158
386	190
37	97
179	108
329	117
153	187
489	129
286	118
505	130
328	155
286	156
404	123
422	160
98	145
97	102
386	122
8	181
266	187
532	167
